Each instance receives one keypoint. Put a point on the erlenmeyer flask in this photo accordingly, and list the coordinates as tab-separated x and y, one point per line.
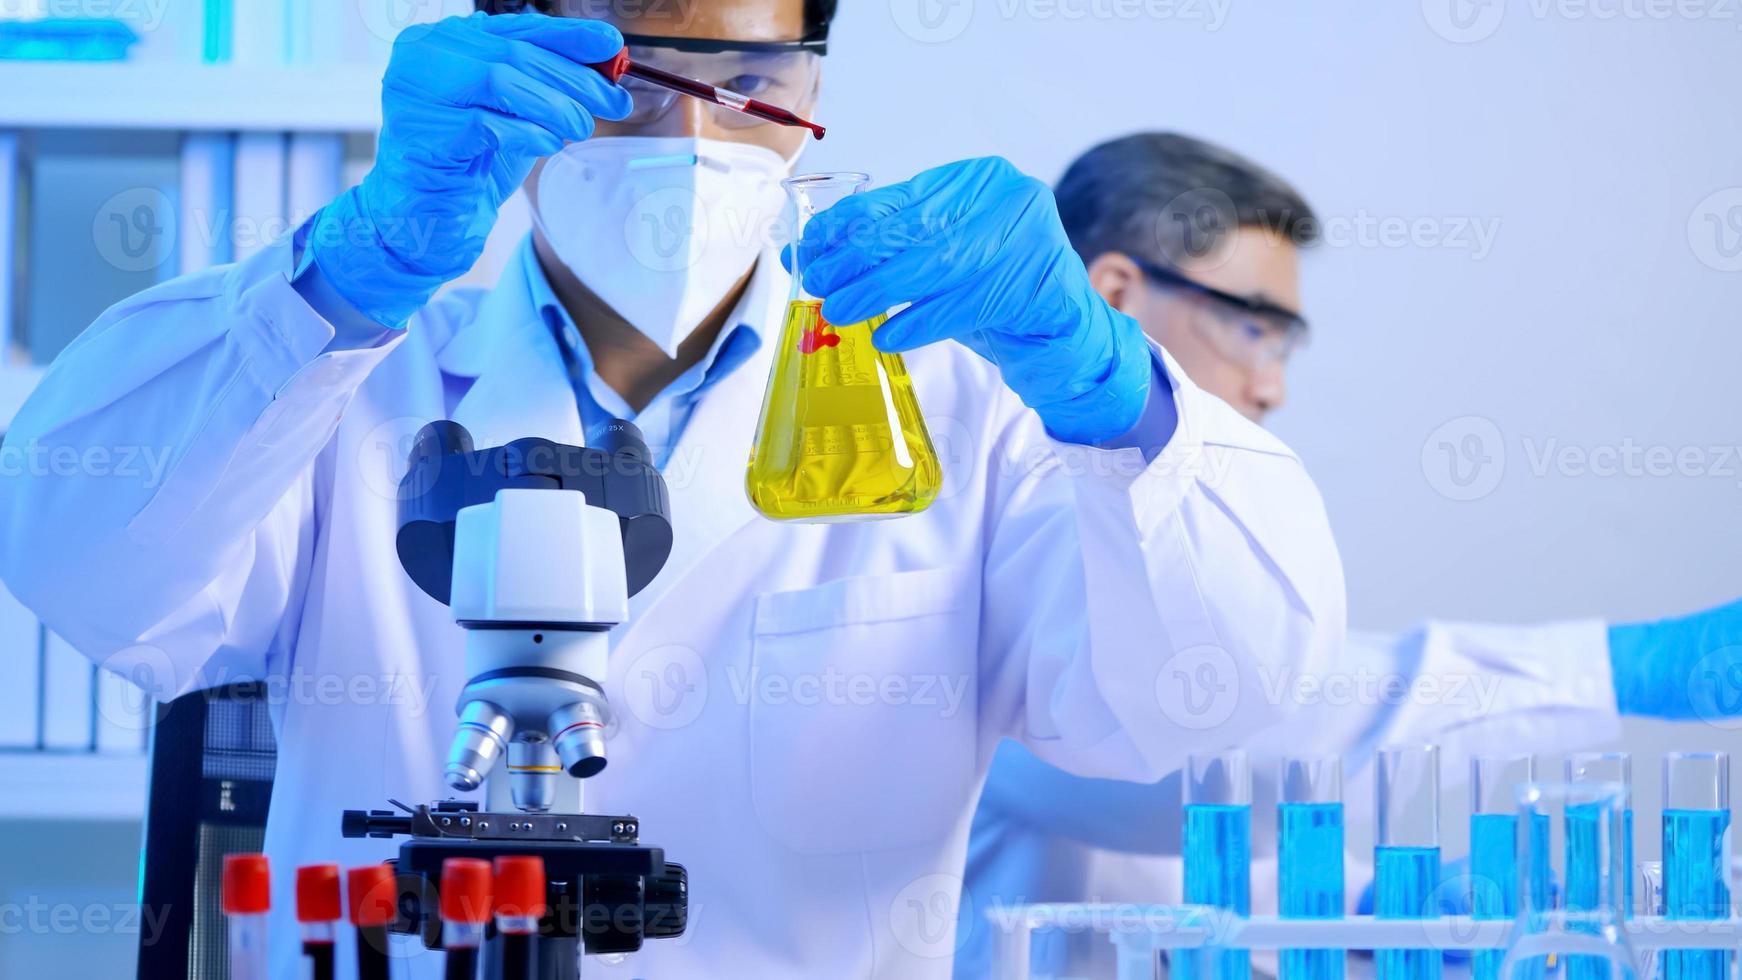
840	437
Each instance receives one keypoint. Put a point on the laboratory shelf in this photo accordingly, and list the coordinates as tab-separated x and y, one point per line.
181	97
72	785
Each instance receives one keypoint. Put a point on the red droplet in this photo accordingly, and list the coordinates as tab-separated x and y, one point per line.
814	339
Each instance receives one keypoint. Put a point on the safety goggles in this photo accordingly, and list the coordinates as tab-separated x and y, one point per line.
1254	332
783	73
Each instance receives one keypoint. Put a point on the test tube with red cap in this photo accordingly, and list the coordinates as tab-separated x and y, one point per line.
374	898
465	913
520	890
318	906
247	897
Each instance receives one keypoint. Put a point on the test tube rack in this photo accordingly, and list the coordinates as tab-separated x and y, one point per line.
1139	932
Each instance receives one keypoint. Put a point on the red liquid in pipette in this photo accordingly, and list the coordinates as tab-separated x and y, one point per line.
619	66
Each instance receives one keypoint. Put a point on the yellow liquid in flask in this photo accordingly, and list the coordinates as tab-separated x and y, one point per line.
841	437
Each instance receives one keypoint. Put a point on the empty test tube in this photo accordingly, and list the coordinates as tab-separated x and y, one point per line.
1590	855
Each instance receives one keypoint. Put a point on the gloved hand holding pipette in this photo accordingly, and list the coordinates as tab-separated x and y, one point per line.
469	105
977	248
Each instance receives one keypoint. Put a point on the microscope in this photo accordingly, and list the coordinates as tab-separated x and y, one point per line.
536	547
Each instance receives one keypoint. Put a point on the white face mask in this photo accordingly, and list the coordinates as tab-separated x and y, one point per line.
660	227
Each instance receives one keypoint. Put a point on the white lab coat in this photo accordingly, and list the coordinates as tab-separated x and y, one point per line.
1472	689
805	712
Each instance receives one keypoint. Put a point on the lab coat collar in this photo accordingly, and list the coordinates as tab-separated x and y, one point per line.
706	470
523	389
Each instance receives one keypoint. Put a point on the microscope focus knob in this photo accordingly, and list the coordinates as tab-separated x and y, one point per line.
667	901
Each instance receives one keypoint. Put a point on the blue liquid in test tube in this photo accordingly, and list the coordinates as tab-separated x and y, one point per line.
1407	857
1494	847
1585	852
1309	848
1696	823
1218	853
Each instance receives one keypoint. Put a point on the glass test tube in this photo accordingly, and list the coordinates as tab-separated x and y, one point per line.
518	894
1696	855
319	905
246	894
374	901
1309	848
1495	847
1406	857
1650	903
1542	937
1218	851
1588	856
466	910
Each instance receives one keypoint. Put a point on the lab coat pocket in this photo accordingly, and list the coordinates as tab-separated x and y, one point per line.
863	710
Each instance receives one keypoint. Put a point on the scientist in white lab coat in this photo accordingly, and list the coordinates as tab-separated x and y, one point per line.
1106	530
1222	295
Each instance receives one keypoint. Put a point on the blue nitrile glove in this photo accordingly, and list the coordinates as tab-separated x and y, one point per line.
468	105
1683	668
977	248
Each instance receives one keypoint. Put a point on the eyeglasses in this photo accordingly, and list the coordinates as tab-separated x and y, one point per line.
784	73
1253	332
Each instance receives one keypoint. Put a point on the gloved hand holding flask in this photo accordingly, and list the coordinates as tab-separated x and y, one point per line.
977	249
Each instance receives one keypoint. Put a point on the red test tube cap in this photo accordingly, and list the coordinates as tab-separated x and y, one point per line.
317	894
520	886
616	68
247	888
466	890
374	895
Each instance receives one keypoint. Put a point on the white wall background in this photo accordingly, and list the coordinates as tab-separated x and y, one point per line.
1587	140
1585	145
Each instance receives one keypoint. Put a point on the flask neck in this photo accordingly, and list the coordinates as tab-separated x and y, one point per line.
812	194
